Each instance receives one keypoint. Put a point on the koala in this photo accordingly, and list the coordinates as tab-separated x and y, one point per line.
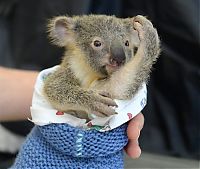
105	58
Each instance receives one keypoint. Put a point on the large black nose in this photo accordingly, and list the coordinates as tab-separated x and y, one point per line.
117	53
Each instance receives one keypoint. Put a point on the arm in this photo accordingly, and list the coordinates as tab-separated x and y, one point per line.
64	93
16	88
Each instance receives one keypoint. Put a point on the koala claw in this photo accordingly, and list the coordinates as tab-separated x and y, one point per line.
142	20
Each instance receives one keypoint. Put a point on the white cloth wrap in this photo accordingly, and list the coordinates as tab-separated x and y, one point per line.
43	113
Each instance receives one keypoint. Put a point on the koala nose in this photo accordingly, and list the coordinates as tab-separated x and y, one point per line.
117	53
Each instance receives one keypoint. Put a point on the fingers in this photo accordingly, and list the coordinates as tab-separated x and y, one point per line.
140	24
138	27
143	20
105	94
133	149
134	126
133	132
103	105
103	110
106	100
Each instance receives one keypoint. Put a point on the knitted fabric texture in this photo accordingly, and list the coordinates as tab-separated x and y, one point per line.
61	146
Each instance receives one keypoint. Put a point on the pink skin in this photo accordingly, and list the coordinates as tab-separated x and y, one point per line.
133	131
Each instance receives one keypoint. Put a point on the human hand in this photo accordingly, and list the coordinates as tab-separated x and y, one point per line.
133	131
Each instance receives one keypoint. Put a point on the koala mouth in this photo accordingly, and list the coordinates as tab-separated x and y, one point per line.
115	63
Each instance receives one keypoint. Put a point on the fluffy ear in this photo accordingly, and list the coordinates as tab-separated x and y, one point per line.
60	30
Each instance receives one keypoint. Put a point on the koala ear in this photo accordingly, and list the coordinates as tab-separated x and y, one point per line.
60	30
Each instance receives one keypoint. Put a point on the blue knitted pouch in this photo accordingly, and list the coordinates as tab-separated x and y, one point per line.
61	146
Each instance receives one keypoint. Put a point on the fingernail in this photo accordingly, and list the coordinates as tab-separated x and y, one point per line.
140	126
138	135
137	142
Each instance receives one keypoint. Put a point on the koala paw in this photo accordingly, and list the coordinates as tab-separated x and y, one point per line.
148	35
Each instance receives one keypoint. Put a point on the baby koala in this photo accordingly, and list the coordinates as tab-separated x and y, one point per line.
105	58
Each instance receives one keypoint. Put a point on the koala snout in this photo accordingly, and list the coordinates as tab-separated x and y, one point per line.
117	54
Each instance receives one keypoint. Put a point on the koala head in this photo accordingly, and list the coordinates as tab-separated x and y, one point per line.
107	42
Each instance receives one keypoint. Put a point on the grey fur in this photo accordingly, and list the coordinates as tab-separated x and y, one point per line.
66	91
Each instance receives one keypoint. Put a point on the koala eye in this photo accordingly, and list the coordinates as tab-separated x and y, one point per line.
97	43
127	43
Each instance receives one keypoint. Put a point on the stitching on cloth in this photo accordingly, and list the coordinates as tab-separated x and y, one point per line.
79	145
